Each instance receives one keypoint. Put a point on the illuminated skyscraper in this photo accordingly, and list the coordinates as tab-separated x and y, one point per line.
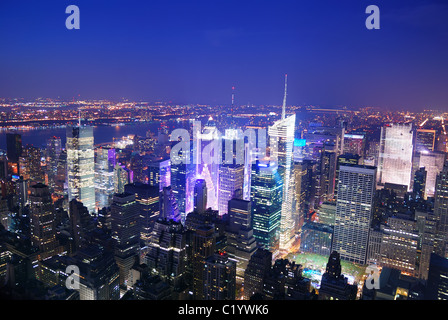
79	221
125	232
441	213
167	251
433	162
60	187
266	196
182	182
81	165
241	243
200	196
53	152
281	143
258	267
437	285
281	135
148	199
43	221
231	178
159	173
354	144
104	176
327	175
122	176
30	164
395	156
202	247
168	205
425	140
207	152
356	187
399	244
219	277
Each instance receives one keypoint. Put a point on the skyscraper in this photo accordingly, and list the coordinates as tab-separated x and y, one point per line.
81	165
419	185
100	274
104	176
437	285
42	221
122	176
281	135
149	208
159	173
441	213
200	196
61	181
258	267
202	247
399	244
168	205
167	251
425	140
328	174
207	152
266	196
433	162
241	243
14	151
79	223
182	182
231	178
219	277
356	187
125	232
395	156
53	152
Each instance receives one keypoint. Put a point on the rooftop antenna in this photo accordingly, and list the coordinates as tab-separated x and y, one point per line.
284	98
79	117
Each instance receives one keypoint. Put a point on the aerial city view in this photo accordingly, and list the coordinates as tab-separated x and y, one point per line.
231	150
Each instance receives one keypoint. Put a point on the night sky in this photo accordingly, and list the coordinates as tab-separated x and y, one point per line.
195	51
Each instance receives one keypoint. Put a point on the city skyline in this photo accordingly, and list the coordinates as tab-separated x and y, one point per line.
146	152
196	53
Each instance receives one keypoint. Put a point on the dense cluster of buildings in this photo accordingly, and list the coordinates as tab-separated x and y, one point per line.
138	224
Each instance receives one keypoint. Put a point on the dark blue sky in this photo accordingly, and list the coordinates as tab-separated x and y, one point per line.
195	51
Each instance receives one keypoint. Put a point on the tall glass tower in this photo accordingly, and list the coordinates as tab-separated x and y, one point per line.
281	135
81	166
266	195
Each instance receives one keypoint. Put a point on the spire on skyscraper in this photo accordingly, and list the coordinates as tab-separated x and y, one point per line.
284	98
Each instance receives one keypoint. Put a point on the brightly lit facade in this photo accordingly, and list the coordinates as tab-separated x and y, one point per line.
207	158
433	162
104	176
281	135
231	178
266	195
441	213
81	165
395	156
356	187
